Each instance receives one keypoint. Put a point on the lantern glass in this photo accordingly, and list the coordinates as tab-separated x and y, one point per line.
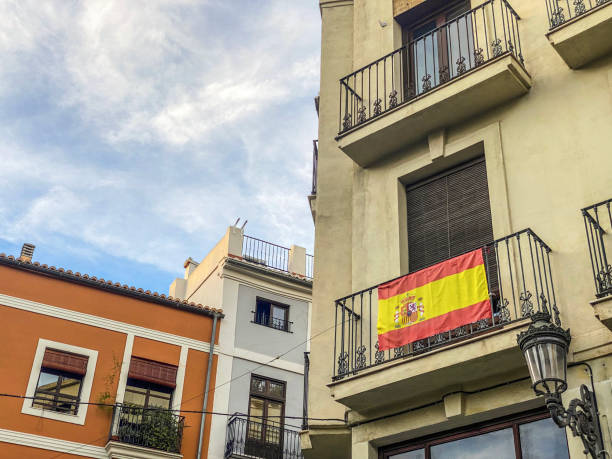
547	363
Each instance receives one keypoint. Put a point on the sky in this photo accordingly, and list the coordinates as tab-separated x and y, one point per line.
132	134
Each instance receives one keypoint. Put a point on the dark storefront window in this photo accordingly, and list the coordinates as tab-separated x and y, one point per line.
532	436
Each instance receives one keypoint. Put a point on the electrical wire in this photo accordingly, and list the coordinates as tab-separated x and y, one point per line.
212	413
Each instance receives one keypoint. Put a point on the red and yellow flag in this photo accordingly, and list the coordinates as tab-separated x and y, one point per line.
433	300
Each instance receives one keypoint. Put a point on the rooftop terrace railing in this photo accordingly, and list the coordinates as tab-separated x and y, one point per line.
561	11
449	51
271	255
265	253
250	438
598	227
519	281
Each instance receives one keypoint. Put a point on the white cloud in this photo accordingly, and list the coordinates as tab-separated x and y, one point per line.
141	129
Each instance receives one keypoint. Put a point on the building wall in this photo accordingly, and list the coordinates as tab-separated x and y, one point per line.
266	340
117	327
547	154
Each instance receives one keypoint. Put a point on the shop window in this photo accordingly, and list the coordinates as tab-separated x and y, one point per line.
533	436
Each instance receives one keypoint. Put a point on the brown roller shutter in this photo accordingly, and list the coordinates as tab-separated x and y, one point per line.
448	214
153	372
65	361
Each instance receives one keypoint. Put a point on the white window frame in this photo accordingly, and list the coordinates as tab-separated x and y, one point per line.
78	418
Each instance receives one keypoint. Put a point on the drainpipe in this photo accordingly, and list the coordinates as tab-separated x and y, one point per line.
207	384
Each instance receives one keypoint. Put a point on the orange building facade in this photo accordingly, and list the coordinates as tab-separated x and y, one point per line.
92	368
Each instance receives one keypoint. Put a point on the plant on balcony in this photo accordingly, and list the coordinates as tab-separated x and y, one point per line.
152	428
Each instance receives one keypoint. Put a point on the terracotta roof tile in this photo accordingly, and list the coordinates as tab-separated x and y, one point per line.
108	284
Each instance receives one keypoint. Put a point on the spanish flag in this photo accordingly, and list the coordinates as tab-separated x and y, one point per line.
433	300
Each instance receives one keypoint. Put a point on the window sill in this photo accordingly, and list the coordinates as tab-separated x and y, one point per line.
54	415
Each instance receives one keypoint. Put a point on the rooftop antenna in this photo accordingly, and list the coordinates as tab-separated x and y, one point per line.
237	220
244	224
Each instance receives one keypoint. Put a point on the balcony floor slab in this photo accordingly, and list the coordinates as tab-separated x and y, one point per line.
584	38
470	361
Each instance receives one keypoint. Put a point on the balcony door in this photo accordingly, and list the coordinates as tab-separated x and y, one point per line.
266	412
440	47
450	214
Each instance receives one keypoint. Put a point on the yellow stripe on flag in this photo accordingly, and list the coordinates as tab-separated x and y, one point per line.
434	299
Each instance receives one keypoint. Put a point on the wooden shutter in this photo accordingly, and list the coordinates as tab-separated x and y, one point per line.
153	372
65	361
448	214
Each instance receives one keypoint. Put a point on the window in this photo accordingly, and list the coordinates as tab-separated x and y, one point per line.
147	395
439	41
150	384
267	406
528	437
58	391
61	377
448	214
272	314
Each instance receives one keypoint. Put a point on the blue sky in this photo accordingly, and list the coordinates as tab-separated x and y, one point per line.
133	133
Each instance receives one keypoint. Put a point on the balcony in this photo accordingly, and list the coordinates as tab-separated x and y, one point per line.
145	432
255	439
598	227
580	30
520	283
462	68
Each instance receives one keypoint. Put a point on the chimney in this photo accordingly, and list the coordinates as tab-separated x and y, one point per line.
27	250
189	265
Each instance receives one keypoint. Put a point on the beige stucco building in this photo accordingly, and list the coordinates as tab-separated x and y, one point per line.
446	127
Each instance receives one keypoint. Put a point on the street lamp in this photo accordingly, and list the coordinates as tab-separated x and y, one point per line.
545	347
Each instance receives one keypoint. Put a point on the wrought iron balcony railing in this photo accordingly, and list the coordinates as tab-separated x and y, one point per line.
261	439
451	50
154	428
520	283
561	11
315	163
598	227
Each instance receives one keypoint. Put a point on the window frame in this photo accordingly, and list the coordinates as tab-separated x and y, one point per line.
268	397
85	392
269	323
425	443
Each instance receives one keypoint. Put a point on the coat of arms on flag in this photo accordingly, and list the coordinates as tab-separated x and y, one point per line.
433	300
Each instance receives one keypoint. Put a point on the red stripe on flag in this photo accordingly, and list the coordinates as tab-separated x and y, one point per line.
445	322
425	276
